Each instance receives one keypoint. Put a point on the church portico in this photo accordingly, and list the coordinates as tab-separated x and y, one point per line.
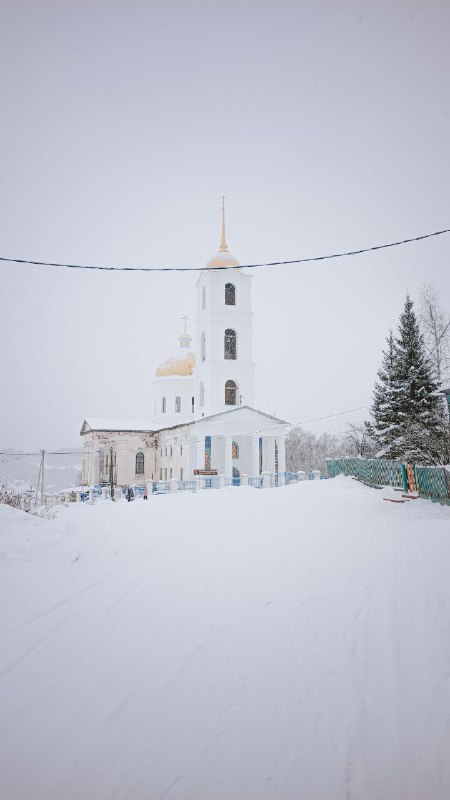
244	451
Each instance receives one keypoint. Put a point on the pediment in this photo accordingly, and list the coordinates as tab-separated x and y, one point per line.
244	414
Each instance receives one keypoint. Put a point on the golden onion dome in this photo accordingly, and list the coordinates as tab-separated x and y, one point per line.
182	365
223	258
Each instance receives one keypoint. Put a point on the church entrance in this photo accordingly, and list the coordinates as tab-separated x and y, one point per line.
236	477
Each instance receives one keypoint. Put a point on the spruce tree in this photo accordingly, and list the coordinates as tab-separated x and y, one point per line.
417	407
409	422
383	428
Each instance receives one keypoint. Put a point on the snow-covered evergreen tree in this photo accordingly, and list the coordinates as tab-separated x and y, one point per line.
409	420
384	407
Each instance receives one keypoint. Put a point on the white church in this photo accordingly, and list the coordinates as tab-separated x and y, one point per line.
204	422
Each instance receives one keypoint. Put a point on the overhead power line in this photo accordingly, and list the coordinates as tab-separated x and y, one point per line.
328	257
15	458
171	437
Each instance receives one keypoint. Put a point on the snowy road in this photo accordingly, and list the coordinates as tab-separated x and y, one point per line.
289	644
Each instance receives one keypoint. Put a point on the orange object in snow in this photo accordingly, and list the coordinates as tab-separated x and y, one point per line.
410	478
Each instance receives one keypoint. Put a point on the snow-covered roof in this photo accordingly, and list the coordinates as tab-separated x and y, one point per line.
139	425
100	424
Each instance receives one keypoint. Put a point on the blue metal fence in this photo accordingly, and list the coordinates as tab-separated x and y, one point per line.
213	482
187	486
210	482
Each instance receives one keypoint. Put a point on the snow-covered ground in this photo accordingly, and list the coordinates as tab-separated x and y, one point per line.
286	644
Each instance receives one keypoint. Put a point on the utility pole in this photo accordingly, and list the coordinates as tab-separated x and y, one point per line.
111	472
42	477
40	480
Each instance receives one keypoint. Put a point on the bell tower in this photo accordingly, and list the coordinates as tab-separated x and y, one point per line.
225	374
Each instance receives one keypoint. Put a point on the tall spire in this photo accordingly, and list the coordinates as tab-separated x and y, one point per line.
223	241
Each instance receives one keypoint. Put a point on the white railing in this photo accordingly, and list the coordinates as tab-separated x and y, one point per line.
266	480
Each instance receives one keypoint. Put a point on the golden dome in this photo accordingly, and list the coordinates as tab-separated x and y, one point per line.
223	258
183	363
177	366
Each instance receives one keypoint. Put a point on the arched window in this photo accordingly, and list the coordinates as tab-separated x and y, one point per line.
230	294
230	393
163	405
203	346
139	463
178	404
235	450
204	297
230	344
201	399
193	404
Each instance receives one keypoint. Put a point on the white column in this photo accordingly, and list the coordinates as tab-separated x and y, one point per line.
90	457
281	444
255	456
84	468
94	464
269	453
266	479
201	452
228	460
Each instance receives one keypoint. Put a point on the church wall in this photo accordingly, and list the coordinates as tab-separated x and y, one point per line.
172	461
125	446
172	387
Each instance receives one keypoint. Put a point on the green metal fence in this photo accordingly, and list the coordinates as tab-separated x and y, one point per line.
432	482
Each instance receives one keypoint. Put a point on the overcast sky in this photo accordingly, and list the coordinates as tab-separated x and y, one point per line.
325	124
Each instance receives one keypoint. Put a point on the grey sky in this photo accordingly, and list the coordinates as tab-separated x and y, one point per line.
326	125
